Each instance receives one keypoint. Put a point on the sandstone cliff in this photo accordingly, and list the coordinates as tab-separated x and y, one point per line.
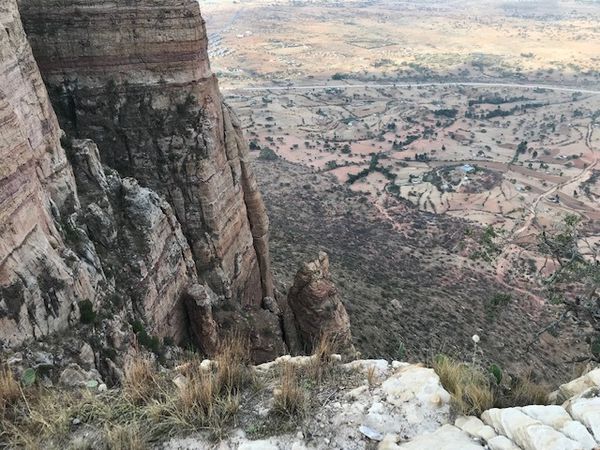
318	308
157	221
135	78
40	277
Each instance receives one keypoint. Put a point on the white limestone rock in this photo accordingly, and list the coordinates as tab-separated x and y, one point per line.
412	401
502	443
586	409
526	432
558	418
381	366
579	385
475	427
448	437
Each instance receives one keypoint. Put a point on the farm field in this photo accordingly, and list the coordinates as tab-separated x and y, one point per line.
436	141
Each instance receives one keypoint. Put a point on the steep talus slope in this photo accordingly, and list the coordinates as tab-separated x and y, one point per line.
135	78
407	291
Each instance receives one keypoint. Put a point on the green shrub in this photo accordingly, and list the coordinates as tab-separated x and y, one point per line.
496	371
86	312
268	154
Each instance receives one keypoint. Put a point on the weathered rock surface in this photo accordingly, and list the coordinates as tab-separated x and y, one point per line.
404	401
138	241
41	279
135	78
318	307
161	214
403	406
168	198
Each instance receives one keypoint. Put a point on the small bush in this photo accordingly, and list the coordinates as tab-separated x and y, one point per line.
496	371
152	343
86	312
268	154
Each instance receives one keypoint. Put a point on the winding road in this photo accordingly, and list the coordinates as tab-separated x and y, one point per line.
491	84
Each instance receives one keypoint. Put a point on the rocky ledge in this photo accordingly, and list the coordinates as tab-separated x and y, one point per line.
404	406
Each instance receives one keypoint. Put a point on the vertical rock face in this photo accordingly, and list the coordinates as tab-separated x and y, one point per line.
40	278
135	78
317	306
169	229
139	242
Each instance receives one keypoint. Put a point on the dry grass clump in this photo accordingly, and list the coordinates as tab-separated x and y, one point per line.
471	389
371	376
125	437
525	391
290	398
148	408
198	394
209	398
474	390
322	364
10	392
41	418
140	382
233	360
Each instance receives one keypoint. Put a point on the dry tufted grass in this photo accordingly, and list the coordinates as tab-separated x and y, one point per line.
233	360
290	398
526	391
140	382
472	392
372	376
10	392
321	365
125	437
147	409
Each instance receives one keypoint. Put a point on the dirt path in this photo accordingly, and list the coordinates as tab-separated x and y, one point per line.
405	85
584	173
502	260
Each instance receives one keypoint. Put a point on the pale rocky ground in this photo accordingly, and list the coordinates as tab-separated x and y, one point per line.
404	406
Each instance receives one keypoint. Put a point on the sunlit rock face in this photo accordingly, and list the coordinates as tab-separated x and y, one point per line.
135	78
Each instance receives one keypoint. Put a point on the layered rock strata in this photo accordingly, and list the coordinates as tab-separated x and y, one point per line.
318	308
66	239
135	78
41	279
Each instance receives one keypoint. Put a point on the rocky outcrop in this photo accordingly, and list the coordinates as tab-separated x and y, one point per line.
400	399
135	78
199	301
139	243
401	406
41	279
162	225
318	307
